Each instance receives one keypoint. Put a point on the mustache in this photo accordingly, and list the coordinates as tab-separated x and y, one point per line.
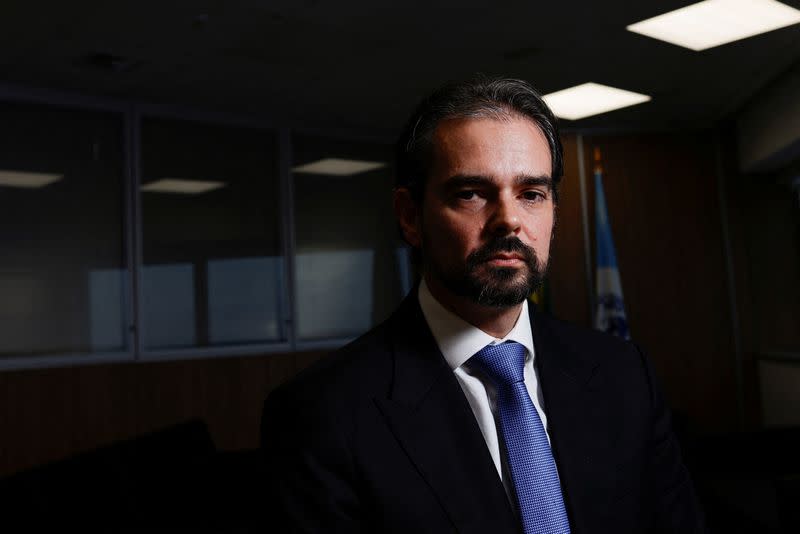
499	246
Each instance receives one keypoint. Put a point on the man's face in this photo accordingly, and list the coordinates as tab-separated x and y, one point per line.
487	217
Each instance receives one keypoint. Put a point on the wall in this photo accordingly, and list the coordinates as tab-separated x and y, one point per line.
53	413
765	234
569	291
768	126
663	204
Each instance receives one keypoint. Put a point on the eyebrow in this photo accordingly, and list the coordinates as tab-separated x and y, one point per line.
465	180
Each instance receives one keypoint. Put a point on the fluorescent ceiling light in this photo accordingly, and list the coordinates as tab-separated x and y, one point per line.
590	99
716	22
338	167
28	180
177	185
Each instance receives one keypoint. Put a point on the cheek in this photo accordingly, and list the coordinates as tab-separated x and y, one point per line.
450	232
461	236
543	250
541	233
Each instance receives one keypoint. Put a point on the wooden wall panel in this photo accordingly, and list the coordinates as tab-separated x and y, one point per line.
569	294
663	203
50	414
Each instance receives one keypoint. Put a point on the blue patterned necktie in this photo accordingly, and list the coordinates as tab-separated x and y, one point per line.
530	460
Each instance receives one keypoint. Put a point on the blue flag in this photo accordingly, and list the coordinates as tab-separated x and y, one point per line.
610	313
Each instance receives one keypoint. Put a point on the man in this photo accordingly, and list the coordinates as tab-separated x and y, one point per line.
467	411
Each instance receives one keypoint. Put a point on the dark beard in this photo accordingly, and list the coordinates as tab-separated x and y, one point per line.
498	287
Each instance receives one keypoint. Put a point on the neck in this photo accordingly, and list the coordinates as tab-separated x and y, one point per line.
497	322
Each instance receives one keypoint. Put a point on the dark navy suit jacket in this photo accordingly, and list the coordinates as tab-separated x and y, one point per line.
379	437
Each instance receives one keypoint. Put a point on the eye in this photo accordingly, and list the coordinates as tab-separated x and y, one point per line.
467	194
534	195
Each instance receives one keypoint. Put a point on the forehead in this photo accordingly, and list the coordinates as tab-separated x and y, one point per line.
495	148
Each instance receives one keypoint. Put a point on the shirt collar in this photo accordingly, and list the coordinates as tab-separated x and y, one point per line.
458	340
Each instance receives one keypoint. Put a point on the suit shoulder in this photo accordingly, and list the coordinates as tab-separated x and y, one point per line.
590	343
618	363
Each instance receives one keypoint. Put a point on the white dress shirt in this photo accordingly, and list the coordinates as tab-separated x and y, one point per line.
458	341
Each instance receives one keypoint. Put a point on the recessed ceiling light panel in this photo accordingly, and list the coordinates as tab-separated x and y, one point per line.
338	167
590	99
181	186
28	180
716	22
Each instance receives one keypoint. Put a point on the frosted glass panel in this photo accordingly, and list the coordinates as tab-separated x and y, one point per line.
106	323
348	274
168	297
61	220
211	199
334	293
405	269
244	300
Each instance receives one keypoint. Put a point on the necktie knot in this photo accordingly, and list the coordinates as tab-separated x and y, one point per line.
503	363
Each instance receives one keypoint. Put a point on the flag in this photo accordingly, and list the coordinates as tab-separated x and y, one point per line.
610	307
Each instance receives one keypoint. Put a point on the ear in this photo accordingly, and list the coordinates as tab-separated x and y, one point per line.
408	216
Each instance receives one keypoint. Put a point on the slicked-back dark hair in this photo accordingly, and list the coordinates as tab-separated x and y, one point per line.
478	97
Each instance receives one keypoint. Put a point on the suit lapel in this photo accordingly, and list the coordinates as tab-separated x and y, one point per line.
578	422
431	419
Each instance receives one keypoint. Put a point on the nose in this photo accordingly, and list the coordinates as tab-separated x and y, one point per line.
505	219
